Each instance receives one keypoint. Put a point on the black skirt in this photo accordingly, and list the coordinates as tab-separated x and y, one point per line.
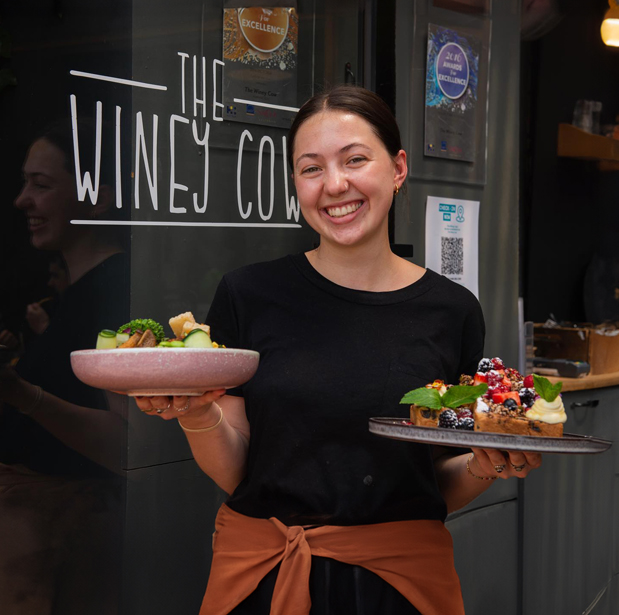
335	588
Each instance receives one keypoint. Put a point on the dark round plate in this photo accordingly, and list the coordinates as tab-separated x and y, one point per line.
400	429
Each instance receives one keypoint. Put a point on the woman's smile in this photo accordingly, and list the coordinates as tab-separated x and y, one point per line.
343	211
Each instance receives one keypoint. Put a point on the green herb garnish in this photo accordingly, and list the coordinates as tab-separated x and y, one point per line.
454	397
424	397
141	324
545	389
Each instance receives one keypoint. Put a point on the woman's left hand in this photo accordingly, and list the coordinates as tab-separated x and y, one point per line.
489	462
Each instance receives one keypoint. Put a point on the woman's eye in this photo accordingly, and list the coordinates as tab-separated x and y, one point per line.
310	170
357	159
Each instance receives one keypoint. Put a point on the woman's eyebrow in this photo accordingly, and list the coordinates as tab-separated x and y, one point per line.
344	149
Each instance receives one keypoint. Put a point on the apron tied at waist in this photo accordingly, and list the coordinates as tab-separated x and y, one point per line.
415	557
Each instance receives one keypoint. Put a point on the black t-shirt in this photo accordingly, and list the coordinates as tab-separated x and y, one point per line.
331	358
99	300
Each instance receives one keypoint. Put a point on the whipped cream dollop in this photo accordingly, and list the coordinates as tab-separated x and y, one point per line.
547	411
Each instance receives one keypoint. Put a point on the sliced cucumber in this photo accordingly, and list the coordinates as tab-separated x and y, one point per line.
177	344
198	338
106	339
121	338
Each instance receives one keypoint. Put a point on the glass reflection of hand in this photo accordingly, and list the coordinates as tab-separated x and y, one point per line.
8	340
37	318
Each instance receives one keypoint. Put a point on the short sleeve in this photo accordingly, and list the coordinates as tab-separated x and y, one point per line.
473	339
222	318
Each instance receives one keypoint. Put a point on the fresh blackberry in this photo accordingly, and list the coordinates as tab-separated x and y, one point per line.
527	397
466	424
510	404
485	365
448	419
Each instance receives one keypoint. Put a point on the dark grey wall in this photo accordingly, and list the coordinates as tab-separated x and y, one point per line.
498	227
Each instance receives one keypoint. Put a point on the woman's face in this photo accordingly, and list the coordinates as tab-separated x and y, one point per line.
345	178
49	198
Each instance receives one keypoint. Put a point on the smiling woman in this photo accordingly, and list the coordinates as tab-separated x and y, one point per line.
321	512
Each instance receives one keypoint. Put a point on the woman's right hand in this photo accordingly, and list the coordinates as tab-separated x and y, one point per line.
195	411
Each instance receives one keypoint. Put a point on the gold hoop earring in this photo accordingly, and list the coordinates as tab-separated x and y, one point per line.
396	189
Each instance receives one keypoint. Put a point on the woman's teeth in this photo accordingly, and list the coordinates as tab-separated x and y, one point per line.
32	222
338	212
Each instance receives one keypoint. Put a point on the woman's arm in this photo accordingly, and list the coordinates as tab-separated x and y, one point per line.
96	434
219	439
460	483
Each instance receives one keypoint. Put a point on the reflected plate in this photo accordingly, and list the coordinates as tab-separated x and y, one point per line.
164	371
401	429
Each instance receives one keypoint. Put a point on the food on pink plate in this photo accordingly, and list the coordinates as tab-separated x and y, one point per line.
148	333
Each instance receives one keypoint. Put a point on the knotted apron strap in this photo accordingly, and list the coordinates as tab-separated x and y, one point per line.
291	594
245	549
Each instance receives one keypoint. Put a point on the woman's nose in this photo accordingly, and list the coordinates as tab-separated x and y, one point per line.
23	198
336	182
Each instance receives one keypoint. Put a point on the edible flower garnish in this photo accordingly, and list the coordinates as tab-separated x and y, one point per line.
454	397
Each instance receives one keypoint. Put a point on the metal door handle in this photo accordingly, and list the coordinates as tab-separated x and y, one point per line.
591	403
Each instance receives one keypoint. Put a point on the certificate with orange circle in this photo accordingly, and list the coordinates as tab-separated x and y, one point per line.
260	46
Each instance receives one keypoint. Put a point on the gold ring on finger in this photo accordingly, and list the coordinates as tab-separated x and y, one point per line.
185	407
519	468
499	468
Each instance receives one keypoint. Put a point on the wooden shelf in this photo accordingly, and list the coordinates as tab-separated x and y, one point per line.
576	143
587	382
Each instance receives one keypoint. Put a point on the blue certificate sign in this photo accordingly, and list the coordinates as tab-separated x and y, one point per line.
451	94
452	70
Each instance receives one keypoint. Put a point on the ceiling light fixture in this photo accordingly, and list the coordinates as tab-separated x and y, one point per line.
610	25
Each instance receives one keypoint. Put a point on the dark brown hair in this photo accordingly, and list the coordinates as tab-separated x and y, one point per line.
350	99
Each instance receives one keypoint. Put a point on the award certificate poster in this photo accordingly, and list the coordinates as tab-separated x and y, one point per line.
260	74
452	240
452	72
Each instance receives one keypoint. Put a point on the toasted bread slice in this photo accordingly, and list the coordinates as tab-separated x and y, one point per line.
179	321
497	422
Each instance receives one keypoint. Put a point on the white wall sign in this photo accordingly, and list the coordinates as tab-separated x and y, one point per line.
452	240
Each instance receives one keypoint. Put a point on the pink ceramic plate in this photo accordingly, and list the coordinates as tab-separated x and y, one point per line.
164	371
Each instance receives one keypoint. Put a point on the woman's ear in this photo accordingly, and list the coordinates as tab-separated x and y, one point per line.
400	168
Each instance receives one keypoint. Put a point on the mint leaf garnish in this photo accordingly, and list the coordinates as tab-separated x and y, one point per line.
461	395
545	389
424	397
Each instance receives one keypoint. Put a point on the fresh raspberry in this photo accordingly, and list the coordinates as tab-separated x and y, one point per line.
498	363
528	382
464	413
494	378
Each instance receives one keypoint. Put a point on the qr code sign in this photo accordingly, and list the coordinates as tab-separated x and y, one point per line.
452	255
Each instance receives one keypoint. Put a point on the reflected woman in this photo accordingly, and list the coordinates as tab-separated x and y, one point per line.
61	441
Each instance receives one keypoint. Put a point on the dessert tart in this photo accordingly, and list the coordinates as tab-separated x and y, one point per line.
496	399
